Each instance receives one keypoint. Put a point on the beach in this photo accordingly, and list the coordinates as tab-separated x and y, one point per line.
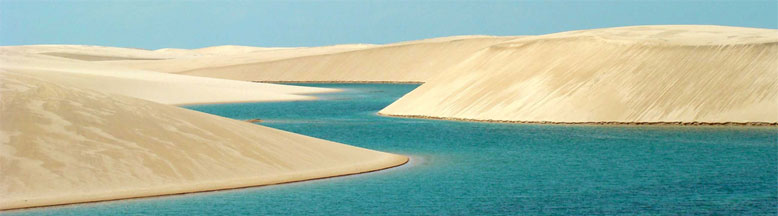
75	132
628	75
91	123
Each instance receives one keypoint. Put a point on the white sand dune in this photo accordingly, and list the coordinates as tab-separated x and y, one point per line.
170	60
79	125
155	86
184	60
62	144
75	126
628	74
413	61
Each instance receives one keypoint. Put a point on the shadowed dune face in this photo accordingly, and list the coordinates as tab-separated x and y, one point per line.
64	144
632	74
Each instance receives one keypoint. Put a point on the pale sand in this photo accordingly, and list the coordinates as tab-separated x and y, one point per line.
703	74
84	142
67	135
413	61
178	60
62	144
708	74
155	86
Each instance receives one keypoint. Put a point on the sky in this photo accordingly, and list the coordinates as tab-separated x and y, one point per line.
195	24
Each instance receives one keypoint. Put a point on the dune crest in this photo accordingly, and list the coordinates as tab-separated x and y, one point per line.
78	126
47	63
62	144
627	74
412	61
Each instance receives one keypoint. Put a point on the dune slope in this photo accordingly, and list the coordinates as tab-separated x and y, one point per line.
185	60
626	75
155	86
63	144
413	61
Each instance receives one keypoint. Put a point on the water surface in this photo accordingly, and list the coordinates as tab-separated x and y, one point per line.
470	168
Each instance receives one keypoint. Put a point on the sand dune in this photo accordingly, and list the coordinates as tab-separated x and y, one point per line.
171	60
413	61
174	89
155	86
184	60
75	128
78	123
64	144
627	74
86	57
85	52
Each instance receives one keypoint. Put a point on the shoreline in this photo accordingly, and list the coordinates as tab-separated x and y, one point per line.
339	81
257	101
739	124
336	168
240	102
309	97
394	165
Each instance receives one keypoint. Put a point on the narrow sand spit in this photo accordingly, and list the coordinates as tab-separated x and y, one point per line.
78	125
85	123
64	144
155	86
629	75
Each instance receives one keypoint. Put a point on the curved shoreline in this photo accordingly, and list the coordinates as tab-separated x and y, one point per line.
158	149
394	165
747	124
338	82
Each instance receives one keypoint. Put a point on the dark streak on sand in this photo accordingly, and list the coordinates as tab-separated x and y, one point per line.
756	124
751	124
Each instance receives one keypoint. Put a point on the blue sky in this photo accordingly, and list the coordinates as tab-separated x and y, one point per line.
193	24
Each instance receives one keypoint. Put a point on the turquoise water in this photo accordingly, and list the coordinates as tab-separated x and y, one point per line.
468	168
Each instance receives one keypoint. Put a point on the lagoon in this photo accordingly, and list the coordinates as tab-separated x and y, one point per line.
473	168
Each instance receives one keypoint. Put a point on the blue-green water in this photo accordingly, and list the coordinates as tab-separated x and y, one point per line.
468	168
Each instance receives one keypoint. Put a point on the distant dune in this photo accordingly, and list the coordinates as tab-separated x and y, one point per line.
185	60
87	57
413	61
645	74
87	123
76	65
79	126
64	144
628	75
682	73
